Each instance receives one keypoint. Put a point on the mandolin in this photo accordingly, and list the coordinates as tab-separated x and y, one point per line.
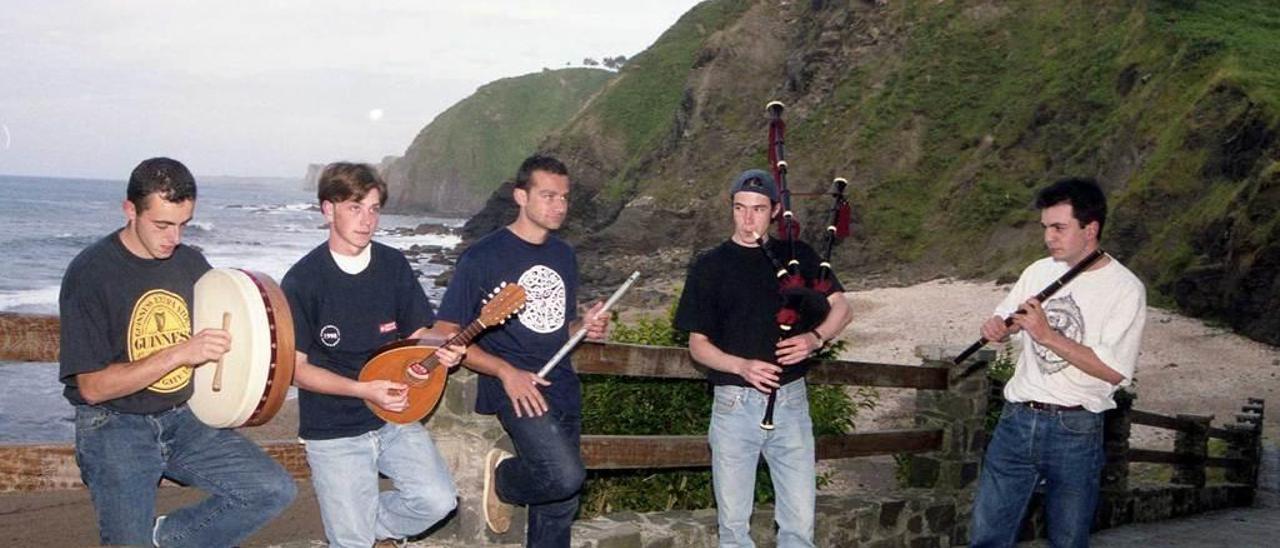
413	361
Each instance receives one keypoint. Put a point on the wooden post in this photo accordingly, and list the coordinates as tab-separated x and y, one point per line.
1115	443
1192	448
1247	442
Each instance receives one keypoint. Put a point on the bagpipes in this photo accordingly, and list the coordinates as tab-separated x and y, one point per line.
803	302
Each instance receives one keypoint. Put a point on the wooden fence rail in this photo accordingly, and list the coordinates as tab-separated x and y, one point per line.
35	467
1190	456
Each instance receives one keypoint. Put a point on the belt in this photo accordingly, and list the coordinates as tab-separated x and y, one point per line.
1050	407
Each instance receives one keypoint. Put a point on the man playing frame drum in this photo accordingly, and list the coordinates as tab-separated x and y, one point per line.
127	357
349	297
1079	345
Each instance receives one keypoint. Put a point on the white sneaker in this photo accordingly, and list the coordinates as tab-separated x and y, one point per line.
497	514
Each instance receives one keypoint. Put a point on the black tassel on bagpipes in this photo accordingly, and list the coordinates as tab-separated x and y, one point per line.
802	303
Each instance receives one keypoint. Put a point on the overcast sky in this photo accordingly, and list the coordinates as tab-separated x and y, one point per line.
88	88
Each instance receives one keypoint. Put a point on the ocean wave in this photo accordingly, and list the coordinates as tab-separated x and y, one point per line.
200	226
407	241
276	208
42	299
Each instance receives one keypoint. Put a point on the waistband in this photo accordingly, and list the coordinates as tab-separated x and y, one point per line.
1050	407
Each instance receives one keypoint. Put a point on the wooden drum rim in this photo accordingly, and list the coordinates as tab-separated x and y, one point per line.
280	371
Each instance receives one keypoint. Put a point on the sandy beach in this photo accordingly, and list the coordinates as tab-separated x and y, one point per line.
1185	366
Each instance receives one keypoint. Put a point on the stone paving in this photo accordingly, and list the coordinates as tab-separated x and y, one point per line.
1258	526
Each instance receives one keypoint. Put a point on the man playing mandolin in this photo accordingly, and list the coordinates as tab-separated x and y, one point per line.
542	416
127	360
1083	343
349	297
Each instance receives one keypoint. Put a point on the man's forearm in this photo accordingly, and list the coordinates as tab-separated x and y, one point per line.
482	362
121	379
837	319
314	378
1081	357
707	353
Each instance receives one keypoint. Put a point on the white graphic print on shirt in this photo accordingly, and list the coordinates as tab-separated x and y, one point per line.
1064	317
544	299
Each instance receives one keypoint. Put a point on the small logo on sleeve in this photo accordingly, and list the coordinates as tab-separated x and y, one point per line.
330	336
388	327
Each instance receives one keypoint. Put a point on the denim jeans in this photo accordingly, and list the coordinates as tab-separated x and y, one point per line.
736	444
122	457
546	473
1062	448
345	471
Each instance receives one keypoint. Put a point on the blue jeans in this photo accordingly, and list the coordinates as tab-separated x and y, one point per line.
345	471
546	474
736	444
122	457
1062	448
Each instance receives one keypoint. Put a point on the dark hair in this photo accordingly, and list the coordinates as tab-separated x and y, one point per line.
1088	201
164	176
342	181
538	162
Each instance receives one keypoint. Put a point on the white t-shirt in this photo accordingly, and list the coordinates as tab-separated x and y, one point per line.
1103	309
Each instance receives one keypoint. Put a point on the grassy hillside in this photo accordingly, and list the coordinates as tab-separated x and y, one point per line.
947	116
468	150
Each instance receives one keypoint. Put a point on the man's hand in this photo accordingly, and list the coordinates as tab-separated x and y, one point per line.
389	395
522	388
762	375
595	322
1033	320
205	346
793	350
451	356
995	330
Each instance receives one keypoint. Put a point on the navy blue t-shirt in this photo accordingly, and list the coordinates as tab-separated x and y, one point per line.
549	274
340	319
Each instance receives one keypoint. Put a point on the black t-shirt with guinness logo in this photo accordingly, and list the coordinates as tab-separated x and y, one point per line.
117	307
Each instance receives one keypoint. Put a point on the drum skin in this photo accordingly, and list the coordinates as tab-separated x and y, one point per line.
258	369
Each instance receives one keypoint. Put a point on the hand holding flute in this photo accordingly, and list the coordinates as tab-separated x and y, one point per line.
1036	325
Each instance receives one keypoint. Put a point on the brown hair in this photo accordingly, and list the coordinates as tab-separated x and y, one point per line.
342	181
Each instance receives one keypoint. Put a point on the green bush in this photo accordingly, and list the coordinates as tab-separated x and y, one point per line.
639	406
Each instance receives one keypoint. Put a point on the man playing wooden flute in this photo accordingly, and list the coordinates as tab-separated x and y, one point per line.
542	416
1078	347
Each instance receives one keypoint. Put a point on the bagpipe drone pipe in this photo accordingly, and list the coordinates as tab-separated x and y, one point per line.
802	302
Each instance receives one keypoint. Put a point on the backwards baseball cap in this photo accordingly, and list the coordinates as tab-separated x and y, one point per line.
755	180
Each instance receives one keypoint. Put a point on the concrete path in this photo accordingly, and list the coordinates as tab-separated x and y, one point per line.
1258	526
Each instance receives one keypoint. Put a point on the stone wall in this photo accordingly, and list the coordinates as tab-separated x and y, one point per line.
916	517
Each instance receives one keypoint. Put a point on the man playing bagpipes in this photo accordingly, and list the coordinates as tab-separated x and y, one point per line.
731	309
1084	331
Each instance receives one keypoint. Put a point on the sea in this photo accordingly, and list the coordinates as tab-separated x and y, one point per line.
257	224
